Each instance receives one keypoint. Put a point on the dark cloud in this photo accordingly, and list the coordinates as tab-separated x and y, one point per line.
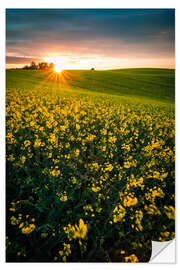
33	32
21	60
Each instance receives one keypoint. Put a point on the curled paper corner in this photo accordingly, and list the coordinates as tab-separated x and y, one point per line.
163	252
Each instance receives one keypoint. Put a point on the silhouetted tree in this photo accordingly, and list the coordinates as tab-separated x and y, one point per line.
40	66
43	66
33	65
26	67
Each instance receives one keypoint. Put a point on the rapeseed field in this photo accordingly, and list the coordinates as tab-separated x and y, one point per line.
89	178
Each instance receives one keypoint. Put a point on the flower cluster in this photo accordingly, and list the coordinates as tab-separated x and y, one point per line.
65	252
77	231
106	163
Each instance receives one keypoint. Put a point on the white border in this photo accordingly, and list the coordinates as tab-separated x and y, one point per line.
90	4
77	4
2	132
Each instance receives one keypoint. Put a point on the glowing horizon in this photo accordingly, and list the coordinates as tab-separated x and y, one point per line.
105	64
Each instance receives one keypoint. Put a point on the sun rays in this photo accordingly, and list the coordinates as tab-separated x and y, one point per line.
58	82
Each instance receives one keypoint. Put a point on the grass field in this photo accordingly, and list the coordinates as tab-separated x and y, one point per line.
158	84
90	164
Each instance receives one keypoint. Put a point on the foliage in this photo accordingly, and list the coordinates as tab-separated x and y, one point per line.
39	66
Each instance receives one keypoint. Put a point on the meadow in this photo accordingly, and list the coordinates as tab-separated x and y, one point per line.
90	164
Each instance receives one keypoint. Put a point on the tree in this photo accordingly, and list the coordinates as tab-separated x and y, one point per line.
26	67
40	66
51	66
33	65
43	66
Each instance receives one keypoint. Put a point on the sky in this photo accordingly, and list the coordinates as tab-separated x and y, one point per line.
86	38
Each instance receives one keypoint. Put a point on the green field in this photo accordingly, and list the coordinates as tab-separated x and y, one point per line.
157	84
90	159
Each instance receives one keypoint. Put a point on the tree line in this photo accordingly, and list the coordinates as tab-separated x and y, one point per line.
40	66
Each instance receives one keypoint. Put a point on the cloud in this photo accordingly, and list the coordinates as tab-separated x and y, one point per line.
107	32
21	60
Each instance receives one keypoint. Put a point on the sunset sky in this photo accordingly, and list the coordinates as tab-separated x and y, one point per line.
85	38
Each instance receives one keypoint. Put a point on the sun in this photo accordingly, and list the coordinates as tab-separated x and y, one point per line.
58	63
58	68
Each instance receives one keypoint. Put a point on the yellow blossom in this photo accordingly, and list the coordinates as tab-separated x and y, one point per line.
130	201
131	258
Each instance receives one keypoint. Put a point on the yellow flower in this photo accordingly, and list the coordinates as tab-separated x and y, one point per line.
32	123
90	137
64	258
11	158
77	126
80	231
74	180
23	159
12	209
65	252
165	234
14	220
29	229
103	131
170	211
120	212
96	189
109	167
21	225
37	143
139	217
112	139
63	197
60	252
130	201
127	165
164	175
62	128
77	151
131	258
27	143
152	209
155	145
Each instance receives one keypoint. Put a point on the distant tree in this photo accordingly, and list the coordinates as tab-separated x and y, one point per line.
51	66
43	66
40	66
92	69
33	65
46	65
26	67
